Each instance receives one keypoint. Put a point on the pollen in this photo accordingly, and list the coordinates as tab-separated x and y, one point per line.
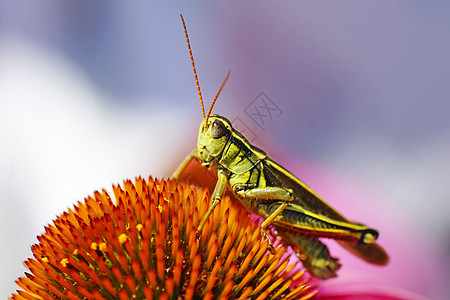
123	238
144	245
64	262
102	247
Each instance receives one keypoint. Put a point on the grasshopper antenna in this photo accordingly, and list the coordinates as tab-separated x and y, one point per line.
217	95
193	66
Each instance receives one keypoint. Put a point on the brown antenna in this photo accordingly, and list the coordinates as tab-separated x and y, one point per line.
217	95
193	67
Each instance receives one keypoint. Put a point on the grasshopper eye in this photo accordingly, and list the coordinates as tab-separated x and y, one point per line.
217	129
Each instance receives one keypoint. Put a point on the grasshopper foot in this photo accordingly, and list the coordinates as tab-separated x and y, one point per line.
313	253
322	268
264	233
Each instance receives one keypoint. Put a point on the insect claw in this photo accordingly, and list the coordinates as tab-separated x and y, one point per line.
270	246
272	249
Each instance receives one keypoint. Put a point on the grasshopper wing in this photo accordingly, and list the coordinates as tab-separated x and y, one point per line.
304	196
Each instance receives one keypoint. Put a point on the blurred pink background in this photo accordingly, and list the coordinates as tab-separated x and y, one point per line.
92	93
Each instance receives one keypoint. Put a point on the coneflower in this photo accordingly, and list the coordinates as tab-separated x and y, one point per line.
144	245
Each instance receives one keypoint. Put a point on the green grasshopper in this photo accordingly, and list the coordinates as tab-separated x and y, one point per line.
298	215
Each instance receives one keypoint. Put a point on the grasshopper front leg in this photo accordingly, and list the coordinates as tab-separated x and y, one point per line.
219	188
180	170
217	195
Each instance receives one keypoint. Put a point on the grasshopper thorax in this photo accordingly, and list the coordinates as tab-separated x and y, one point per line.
213	136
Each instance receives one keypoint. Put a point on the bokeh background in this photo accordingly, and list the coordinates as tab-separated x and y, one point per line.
92	93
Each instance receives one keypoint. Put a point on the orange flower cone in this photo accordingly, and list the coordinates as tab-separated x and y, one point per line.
144	245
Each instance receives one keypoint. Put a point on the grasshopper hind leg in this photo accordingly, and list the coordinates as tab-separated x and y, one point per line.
314	255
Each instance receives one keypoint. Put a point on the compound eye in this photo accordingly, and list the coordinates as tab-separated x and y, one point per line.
218	130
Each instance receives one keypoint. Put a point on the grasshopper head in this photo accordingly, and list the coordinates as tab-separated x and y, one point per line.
212	138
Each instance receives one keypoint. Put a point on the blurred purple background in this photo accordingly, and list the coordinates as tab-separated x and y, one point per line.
92	93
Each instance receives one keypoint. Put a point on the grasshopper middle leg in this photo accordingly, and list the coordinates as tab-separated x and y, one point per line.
272	193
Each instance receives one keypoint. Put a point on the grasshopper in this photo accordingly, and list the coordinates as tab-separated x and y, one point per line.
298	215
